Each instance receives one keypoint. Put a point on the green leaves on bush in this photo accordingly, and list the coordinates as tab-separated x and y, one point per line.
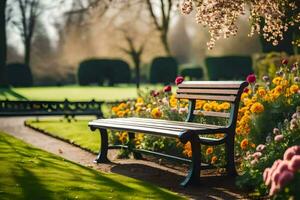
18	75
193	73
228	67
163	70
97	71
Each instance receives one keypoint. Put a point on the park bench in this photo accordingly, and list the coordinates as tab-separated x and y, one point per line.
188	131
47	108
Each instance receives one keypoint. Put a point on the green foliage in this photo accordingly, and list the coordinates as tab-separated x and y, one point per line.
195	73
266	64
96	71
163	70
30	173
228	67
18	75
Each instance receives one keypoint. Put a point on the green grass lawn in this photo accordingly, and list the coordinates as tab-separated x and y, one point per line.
76	132
30	173
72	93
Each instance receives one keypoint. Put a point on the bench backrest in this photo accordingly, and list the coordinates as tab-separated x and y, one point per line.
224	91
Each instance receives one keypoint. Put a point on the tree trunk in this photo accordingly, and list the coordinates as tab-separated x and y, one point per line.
2	42
27	51
137	72
164	40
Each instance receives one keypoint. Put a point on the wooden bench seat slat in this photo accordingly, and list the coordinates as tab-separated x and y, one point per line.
210	84
190	124
171	126
207	91
120	127
144	124
211	113
206	97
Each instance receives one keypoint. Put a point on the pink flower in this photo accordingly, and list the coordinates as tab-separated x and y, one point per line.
154	93
167	88
290	152
253	162
276	131
257	155
278	138
294	164
284	61
179	80
260	147
251	78
266	174
182	110
284	178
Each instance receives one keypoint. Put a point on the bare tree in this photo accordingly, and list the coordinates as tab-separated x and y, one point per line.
2	41
25	19
135	54
162	21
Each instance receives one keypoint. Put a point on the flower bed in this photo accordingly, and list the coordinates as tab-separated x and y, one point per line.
264	105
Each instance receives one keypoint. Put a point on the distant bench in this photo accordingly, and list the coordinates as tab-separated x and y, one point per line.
188	131
48	108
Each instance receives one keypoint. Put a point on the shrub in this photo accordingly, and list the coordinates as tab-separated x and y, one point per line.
193	73
119	72
163	70
18	75
93	71
228	67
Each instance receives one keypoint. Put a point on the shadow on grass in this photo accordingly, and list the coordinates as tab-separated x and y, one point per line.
7	92
29	173
211	187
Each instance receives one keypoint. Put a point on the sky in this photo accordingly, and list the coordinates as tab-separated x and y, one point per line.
48	18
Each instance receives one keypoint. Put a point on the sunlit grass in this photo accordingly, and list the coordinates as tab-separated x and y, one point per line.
73	93
30	173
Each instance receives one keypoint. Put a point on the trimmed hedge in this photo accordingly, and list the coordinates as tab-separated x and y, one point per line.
228	67
193	73
163	70
18	75
96	71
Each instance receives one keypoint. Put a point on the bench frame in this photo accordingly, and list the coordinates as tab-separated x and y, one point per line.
193	177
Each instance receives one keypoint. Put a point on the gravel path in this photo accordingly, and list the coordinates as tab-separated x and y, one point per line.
213	187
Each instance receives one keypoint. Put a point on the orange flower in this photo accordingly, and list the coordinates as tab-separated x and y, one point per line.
214	159
187	149
257	108
156	113
209	150
294	88
244	144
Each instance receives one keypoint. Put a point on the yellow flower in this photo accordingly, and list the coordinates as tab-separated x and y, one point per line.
294	88
140	100
278	88
244	95
123	137
257	108
209	150
207	107
156	113
214	159
199	104
173	102
261	91
277	80
121	113
244	144
225	105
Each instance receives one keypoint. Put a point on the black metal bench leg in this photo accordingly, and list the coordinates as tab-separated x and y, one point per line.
193	177
102	156
131	146
230	165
